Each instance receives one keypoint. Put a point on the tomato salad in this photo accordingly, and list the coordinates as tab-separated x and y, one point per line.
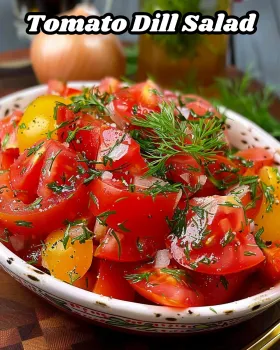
135	193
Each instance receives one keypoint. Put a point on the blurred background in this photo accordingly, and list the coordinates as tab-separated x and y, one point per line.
259	52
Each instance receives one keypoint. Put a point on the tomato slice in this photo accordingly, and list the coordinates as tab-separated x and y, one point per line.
221	289
118	246
26	170
8	130
111	282
37	219
60	170
166	286
135	101
119	150
129	209
56	87
185	169
109	85
216	239
258	156
198	107
82	132
271	269
8	157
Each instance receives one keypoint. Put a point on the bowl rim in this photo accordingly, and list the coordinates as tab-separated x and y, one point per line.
73	294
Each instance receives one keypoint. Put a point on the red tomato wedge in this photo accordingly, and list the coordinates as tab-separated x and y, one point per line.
117	246
8	157
137	100
167	286
109	85
44	214
216	239
111	282
81	131
271	269
119	151
56	87
8	130
129	209
258	156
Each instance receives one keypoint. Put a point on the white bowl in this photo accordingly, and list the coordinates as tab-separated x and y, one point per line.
133	316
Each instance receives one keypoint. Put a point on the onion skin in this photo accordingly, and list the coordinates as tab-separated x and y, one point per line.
77	57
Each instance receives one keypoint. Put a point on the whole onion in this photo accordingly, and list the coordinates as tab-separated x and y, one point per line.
77	57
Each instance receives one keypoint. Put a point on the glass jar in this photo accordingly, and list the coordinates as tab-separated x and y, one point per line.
174	60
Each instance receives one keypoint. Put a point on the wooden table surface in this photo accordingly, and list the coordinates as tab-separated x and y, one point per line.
27	322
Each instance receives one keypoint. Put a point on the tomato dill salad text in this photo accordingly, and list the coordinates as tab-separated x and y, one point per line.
135	193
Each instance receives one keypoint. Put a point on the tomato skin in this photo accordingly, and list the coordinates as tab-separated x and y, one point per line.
88	281
259	156
8	131
218	290
268	217
271	268
163	289
122	151
136	210
60	166
53	210
135	101
8	157
199	106
109	85
185	169
38	120
131	249
67	263
110	276
85	141
25	171
201	246
57	87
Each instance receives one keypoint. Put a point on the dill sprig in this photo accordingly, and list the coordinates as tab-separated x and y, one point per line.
168	135
91	99
162	188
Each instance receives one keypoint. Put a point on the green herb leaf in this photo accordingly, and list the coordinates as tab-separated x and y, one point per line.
24	223
138	277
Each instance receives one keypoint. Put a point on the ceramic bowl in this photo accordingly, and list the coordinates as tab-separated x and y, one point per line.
133	316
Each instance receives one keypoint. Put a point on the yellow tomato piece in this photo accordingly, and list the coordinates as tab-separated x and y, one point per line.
68	264
37	120
269	220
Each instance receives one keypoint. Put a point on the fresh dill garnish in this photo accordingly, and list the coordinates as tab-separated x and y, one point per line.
93	174
52	159
177	274
113	234
5	141
22	126
213	310
36	204
178	223
91	99
102	218
7	234
169	135
93	198
268	192
55	187
34	149
162	188
228	238
73	133
248	253
138	277
258	238
82	238
73	276
122	227
22	223
224	282
276	171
